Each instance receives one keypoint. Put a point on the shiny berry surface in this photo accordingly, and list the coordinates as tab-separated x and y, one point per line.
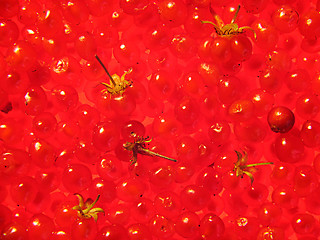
281	119
166	119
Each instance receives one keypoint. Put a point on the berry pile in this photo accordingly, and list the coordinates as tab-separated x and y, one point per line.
164	119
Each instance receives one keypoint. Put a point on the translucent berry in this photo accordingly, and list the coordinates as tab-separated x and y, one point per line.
307	106
167	204
21	55
138	231
303	223
40	226
194	198
270	233
187	224
9	32
76	177
285	19
211	226
161	226
289	148
172	13
310	133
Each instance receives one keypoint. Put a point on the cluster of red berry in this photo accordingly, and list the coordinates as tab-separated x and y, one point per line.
164	119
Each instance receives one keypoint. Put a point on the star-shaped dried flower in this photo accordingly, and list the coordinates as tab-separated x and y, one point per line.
86	208
241	167
139	146
117	84
228	29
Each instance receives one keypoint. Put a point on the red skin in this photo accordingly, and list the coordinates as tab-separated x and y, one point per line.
281	119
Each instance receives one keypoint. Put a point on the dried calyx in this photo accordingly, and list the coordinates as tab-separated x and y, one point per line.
138	146
241	167
117	84
86	208
230	28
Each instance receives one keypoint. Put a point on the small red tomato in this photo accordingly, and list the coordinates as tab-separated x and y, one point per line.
281	119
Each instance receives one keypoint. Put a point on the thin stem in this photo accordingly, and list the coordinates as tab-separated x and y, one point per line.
156	154
105	69
215	25
235	15
256	164
91	205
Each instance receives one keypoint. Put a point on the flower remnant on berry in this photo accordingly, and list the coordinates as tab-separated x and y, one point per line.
117	84
230	28
86	208
241	167
139	146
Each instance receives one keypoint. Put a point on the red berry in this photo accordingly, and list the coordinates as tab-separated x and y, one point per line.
240	48
9	8
228	89
187	225
303	223
167	204
241	110
160	85
270	233
5	216
304	180
23	190
172	12
285	19
9	32
42	153
14	231
76	177
209	72
271	80
49	22
112	232
75	12
281	119
40	227
310	133
308	106
309	24
143	210
220	48
298	80
109	167
211	226
64	214
35	101
285	197
21	55
84	229
119	213
289	148
161	226
131	189
86	46
105	136
139	231
127	53
194	198
269	213
267	35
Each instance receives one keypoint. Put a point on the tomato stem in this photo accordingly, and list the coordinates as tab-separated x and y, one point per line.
256	164
105	69
235	15
149	152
